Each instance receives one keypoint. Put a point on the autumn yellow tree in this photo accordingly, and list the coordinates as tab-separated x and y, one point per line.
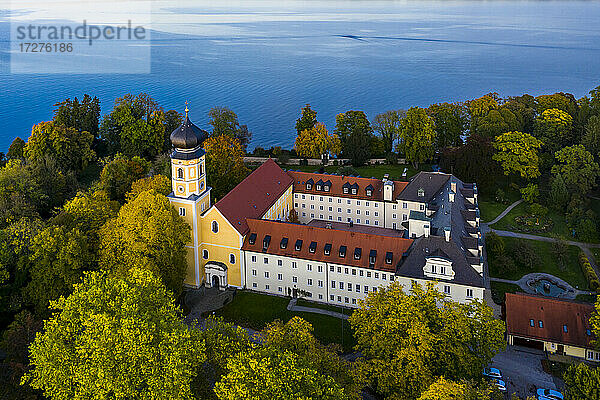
518	152
149	234
224	163
313	142
116	338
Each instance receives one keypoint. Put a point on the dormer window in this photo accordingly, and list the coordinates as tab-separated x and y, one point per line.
308	186
389	256
298	246
421	192
372	257
284	243
327	249
266	242
565	330
369	192
342	251
357	253
346	190
353	190
252	238
327	186
312	247
318	187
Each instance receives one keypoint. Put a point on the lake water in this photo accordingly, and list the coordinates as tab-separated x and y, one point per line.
265	59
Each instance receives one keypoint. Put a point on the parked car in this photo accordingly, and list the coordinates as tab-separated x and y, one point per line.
492	373
499	383
549	394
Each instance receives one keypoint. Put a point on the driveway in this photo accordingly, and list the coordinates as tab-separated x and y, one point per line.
522	370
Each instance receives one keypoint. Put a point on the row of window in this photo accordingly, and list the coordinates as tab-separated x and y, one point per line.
348	201
206	255
349	287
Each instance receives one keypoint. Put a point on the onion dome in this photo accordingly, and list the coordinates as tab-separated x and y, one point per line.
188	136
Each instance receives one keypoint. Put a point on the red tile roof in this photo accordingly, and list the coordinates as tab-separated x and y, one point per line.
254	196
322	236
554	314
337	182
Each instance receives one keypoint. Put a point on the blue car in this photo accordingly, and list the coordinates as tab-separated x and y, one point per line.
549	394
492	373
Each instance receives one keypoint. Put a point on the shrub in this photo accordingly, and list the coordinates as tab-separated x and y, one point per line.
346	171
501	196
525	255
494	244
589	272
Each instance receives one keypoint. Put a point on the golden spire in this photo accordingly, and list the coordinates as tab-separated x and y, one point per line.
186	109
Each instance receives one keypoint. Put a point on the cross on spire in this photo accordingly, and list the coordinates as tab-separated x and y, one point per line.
186	109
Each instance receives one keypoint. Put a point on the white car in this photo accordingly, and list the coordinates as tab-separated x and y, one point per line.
492	373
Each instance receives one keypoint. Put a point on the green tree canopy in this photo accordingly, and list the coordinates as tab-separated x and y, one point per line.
577	167
147	234
562	101
225	122
116	338
136	126
408	340
20	193
316	141
225	166
450	120
591	136
307	120
71	149
58	260
518	152
159	183
83	115
418	136
559	194
443	389
387	126
582	382
118	175
262	373
354	130
497	122
554	128
16	149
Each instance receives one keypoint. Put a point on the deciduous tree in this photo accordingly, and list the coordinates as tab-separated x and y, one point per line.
316	141
118	175
15	151
225	122
224	164
418	136
450	120
577	167
497	122
71	149
20	193
159	183
554	127
582	382
408	340
354	130
387	125
559	194
134	127
116	338
148	234
591	136
518	152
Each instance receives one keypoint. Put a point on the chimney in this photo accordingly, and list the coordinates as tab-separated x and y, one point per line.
447	233
386	177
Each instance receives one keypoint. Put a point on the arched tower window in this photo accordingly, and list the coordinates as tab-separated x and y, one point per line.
200	169
215	226
180	173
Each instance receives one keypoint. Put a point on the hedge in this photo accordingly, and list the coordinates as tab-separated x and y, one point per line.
589	272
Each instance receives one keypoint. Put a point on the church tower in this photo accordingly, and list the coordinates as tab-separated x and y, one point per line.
190	195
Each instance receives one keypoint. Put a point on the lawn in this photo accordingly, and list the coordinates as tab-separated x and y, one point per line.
488	206
559	225
322	306
368	171
499	290
547	263
254	310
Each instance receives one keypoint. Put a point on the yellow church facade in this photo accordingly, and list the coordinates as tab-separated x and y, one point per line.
214	256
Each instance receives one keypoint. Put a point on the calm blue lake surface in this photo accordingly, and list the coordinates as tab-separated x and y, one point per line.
266	59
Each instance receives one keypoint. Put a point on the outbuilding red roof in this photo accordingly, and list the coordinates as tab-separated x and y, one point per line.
563	321
255	195
274	234
337	185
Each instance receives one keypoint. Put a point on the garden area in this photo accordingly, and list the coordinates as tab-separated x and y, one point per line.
511	258
254	310
499	290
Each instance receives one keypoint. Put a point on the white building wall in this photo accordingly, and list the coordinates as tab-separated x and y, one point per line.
453	291
338	209
348	285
